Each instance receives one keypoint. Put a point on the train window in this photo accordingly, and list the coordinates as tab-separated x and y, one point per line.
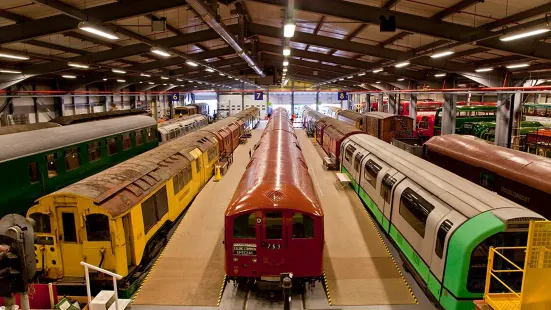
94	151
186	176
303	226
69	227
42	223
423	125
149	214
244	226
126	142
33	172
52	164
97	227
357	161
441	237
349	152
139	137
172	134
198	163
112	145
161	201
274	225
212	153
415	210
386	188
176	183
72	158
371	171
150	134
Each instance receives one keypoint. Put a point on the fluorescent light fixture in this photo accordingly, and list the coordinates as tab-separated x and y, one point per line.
484	69
105	79
289	29
527	33
165	84
160	52
200	82
285	63
97	30
361	74
191	63
77	65
10	71
221	74
150	83
179	80
141	82
144	74
12	56
209	70
286	51
514	66
164	78
401	79
341	79
401	64
442	54
285	69
440	74
66	76
118	71
349	77
378	82
378	70
121	81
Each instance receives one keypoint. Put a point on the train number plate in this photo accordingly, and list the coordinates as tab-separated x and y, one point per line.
245	249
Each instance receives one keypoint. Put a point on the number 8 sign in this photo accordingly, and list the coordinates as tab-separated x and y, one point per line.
258	95
342	95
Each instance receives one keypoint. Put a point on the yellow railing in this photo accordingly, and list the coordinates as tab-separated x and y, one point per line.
536	272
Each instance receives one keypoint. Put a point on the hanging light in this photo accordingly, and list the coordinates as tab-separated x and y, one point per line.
484	69
144	74
67	76
286	51
523	34
160	52
285	63
514	66
121	81
209	70
401	79
440	74
118	71
221	74
77	65
442	54
13	56
10	71
378	70
164	78
361	74
401	64
150	83
97	30
289	28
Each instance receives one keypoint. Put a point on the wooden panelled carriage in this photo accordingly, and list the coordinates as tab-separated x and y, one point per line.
274	222
185	111
386	126
117	219
442	224
352	118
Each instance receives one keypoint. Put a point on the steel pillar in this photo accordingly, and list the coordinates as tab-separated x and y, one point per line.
35	102
392	104
318	100
380	102
367	103
449	112
413	109
508	108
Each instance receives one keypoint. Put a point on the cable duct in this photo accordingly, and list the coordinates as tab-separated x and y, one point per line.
221	29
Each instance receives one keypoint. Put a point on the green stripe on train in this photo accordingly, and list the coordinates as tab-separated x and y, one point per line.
354	184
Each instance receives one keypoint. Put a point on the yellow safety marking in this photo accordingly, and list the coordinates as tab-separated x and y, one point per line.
391	257
221	290
327	289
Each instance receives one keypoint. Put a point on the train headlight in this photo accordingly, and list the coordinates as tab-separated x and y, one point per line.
254	260
235	259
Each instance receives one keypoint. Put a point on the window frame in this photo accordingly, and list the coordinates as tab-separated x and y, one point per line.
97	151
96	229
141	134
308	234
54	162
108	144
248	236
69	152
419	211
129	141
347	155
386	191
441	235
372	164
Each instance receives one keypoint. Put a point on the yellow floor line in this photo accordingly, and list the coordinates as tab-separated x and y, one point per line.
221	290
327	289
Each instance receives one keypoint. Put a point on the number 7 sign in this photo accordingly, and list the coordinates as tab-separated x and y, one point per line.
258	95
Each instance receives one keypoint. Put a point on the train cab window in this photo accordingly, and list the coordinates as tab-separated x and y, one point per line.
212	153
112	146
150	134
357	161
97	227
139	137
274	225
487	180
371	171
198	163
386	188
176	183
94	151
52	164
42	223
441	237
349	152
244	226
415	210
126	142
303	226
69	227
72	158
33	173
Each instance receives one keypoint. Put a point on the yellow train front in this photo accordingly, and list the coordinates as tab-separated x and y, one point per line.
118	219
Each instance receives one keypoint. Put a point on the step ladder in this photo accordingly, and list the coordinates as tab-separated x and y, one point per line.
105	300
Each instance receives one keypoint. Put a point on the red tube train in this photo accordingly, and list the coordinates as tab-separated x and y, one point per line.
274	222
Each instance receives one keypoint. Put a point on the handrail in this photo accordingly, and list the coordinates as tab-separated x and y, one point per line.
492	273
109	273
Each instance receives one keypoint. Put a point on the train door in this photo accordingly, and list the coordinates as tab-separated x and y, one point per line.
273	243
128	240
69	226
388	186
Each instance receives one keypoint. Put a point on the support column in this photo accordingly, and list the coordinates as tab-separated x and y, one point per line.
217	112
392	104
88	104
35	102
380	102
508	106
9	101
413	109
59	106
73	104
292	97
449	112
242	96
367	103
318	100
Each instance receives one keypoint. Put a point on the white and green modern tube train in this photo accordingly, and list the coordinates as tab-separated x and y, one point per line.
442	224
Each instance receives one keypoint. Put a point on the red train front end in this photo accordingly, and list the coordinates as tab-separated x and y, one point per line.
274	223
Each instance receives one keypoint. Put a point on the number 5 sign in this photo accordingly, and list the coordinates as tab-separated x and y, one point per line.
258	95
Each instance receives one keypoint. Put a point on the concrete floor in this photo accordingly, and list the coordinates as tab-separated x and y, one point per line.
164	290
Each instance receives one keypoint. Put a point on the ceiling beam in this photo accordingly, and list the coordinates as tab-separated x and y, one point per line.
394	38
317	29
418	24
13	16
60	23
456	8
390	3
542	9
351	36
176	31
56	47
468	52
